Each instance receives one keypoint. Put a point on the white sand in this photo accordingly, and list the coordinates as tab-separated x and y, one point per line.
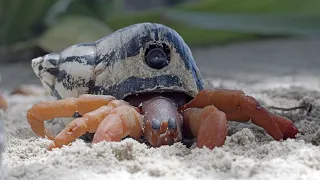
247	154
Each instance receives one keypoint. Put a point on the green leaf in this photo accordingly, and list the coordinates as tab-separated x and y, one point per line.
72	30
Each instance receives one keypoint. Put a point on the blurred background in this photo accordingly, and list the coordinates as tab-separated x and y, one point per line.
244	40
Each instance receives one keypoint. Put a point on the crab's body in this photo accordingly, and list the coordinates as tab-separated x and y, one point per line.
150	70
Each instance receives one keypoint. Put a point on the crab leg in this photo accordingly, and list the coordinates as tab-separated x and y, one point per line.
44	111
115	124
236	104
123	121
200	123
76	128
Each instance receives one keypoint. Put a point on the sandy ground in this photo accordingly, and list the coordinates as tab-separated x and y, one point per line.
248	153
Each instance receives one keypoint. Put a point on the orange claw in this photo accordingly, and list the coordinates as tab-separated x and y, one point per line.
44	111
239	106
110	123
209	125
123	121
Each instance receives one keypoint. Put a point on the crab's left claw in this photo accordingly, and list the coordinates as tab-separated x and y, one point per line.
240	107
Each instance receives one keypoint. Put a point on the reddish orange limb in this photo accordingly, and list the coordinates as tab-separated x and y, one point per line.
123	121
110	129
110	123
238	116
288	129
44	111
238	105
89	122
209	125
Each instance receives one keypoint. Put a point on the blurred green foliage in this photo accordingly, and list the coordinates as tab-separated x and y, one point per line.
20	19
310	7
64	33
192	35
56	24
199	36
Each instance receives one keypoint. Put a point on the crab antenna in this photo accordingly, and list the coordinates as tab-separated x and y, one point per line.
307	107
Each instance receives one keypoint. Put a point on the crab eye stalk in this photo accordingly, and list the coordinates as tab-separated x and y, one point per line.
157	57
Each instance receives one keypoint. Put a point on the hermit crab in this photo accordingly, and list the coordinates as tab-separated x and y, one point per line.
141	82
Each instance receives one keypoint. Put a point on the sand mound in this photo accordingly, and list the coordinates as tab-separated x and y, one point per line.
247	154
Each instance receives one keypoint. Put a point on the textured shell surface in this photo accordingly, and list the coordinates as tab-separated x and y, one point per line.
115	65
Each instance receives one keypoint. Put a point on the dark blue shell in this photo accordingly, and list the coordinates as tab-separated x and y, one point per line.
115	65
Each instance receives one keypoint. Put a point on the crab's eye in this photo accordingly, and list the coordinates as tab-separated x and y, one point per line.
155	124
172	123
157	57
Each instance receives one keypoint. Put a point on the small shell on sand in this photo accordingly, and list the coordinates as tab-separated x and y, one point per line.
30	90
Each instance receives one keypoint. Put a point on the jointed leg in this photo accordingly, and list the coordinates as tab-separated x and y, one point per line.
44	111
108	122
110	129
237	116
238	105
123	121
209	125
76	128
